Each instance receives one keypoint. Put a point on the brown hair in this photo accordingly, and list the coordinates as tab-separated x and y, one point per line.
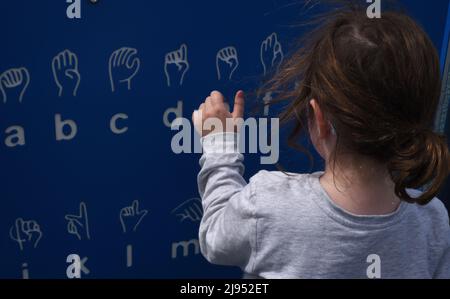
378	83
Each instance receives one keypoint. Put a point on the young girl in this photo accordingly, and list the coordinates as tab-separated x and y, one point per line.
367	91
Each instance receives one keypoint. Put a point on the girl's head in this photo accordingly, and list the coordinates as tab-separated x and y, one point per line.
369	87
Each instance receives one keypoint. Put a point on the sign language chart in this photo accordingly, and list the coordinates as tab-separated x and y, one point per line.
176	66
123	67
190	210
130	217
226	63
65	72
90	182
27	233
115	72
14	84
271	53
78	225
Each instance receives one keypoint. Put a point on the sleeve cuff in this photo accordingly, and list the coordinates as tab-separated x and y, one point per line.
220	143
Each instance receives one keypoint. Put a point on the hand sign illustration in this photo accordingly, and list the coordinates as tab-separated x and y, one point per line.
189	210
271	53
176	65
78	225
130	217
25	232
226	62
123	67
14	83
65	72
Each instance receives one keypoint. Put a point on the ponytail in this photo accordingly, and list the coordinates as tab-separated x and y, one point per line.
421	161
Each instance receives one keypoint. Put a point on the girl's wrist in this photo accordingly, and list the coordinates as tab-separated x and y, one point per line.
220	142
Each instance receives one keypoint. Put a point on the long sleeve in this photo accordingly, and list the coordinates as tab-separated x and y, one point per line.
443	271
228	228
443	268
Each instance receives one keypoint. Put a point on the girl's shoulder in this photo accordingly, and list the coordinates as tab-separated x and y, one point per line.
434	212
264	176
283	183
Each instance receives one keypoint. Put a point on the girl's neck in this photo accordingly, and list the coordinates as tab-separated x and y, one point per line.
361	187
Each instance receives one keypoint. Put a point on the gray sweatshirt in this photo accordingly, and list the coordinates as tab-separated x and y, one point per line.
286	226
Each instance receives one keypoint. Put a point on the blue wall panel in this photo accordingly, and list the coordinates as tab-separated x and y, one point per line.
46	183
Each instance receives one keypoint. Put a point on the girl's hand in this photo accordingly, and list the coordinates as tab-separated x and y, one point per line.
213	116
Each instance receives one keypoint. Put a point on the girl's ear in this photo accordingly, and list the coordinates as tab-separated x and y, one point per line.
319	120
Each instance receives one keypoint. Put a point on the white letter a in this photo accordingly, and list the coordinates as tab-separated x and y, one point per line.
374	9
74	9
374	269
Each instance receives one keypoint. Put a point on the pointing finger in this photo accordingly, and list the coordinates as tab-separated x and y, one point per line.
135	206
183	52
239	101
83	210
